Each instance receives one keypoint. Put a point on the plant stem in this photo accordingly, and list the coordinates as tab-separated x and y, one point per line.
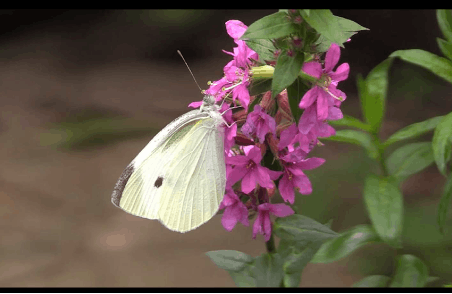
270	245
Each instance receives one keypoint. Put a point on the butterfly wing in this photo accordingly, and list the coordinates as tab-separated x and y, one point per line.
179	177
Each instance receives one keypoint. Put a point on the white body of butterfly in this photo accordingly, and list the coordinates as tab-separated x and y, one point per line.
179	178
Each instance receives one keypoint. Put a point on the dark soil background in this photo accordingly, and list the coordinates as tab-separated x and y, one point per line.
83	91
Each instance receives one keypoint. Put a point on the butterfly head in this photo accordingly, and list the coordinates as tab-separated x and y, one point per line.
208	103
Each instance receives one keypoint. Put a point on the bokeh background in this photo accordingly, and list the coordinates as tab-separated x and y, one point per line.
83	91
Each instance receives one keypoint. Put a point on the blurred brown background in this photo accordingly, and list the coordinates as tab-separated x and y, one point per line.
82	92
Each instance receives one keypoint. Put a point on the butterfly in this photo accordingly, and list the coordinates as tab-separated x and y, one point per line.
179	178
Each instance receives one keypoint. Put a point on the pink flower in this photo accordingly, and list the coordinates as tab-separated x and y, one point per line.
242	54
238	79
230	132
292	135
248	169
262	224
309	123
259	123
325	92
294	163
235	211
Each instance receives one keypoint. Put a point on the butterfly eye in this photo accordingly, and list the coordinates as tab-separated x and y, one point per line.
209	99
158	182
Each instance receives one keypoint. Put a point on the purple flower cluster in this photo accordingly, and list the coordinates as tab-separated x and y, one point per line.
289	141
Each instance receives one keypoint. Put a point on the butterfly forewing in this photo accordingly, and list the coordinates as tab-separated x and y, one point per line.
179	177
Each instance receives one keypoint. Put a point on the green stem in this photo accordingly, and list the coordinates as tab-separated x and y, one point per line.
270	245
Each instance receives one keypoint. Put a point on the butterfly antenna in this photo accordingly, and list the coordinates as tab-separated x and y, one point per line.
189	70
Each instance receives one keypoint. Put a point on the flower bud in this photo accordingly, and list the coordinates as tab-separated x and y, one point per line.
243	140
267	103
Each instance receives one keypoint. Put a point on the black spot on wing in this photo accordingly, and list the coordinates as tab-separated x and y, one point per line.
121	184
158	182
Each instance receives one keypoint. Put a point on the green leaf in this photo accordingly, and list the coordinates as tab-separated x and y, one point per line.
349	25
298	227
410	272
297	260
272	26
409	159
373	94
238	264
263	47
438	65
373	281
347	242
358	138
296	255
268	270
442	143
414	130
446	47
230	260
259	86
292	280
444	17
286	71
341	29
350	121
243	278
384	202
295	92
325	23
444	204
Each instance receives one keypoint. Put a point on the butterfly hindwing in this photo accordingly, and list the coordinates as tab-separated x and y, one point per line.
196	179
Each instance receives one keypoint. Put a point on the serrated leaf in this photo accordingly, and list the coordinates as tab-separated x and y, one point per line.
445	47
384	203
259	86
295	92
230	260
444	17
263	47
286	71
373	282
373	94
325	23
350	121
440	66
358	138
348	25
444	204
272	26
409	159
347	242
414	130
442	143
410	272
267	270
302	228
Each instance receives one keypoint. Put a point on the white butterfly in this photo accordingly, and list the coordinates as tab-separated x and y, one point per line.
179	178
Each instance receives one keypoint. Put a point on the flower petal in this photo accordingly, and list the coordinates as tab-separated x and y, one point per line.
235	28
332	57
313	68
281	210
341	72
309	97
